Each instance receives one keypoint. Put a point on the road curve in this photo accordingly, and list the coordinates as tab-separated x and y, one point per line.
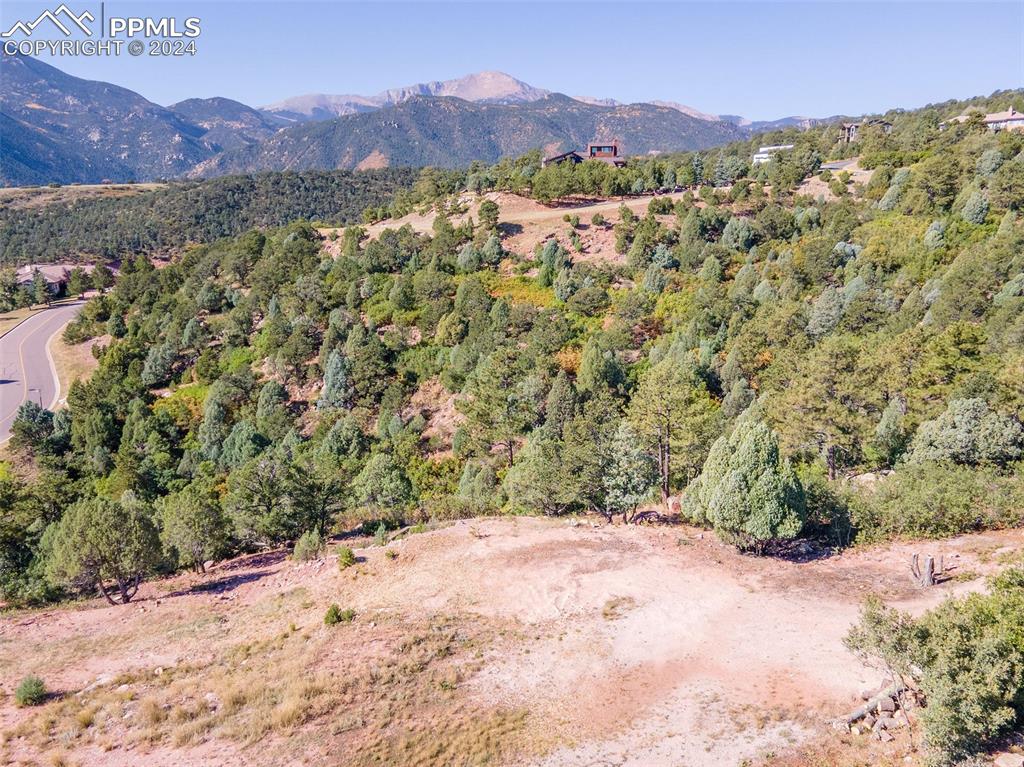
26	369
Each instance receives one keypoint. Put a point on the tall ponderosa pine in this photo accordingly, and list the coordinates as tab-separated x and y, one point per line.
675	418
629	475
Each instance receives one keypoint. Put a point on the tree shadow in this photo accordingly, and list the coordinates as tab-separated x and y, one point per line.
510	230
801	551
220	585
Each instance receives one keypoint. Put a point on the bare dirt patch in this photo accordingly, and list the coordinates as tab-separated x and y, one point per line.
528	223
815	187
22	197
376	159
499	641
437	405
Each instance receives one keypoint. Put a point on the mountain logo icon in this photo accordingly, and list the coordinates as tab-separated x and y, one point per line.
55	16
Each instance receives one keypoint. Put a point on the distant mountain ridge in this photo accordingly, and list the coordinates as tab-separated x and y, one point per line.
451	132
484	87
60	128
488	87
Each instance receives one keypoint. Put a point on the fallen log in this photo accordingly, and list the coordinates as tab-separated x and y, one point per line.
889	693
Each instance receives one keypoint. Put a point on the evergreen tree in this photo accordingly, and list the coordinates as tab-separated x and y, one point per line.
969	432
40	288
675	419
382	484
193	524
746	491
159	362
337	392
976	208
497	407
560	406
629	476
102	277
104	544
242	444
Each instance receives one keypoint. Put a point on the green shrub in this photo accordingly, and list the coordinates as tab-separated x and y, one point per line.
309	546
346	558
336	615
966	656
31	691
935	500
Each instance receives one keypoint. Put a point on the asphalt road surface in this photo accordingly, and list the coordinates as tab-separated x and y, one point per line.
26	371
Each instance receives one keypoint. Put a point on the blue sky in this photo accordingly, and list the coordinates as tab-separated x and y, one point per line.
761	60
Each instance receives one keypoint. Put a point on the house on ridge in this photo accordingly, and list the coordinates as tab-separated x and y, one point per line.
609	152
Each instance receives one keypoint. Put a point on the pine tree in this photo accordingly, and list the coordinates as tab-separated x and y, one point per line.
99	542
193	524
159	362
675	419
337	392
630	474
560	406
382	485
976	208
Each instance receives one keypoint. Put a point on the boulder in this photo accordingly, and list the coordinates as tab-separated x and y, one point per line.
1009	760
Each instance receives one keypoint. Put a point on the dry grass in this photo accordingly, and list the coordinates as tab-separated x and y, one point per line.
302	687
843	751
616	607
73	362
10	320
41	196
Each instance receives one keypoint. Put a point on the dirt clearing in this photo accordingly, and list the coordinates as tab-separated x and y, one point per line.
500	641
527	222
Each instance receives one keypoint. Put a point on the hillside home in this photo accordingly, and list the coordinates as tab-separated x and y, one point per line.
767	153
573	157
56	275
850	131
606	152
1011	119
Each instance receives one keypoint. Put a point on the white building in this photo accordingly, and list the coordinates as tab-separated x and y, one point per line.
767	153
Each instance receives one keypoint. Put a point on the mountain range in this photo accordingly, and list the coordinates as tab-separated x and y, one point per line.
63	129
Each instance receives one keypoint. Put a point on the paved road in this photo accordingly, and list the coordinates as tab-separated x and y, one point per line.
26	371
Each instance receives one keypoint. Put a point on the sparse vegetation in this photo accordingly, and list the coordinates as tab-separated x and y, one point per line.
336	615
310	545
967	658
31	691
346	558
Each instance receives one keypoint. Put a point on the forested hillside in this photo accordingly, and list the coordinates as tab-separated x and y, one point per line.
751	348
163	220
